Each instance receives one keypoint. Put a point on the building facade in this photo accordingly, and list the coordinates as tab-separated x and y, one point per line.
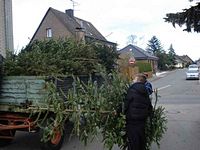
6	27
57	24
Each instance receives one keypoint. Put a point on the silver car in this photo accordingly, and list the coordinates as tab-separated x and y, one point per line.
193	67
192	74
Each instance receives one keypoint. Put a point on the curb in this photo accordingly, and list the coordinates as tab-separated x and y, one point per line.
157	77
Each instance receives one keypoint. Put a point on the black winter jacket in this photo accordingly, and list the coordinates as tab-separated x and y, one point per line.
137	102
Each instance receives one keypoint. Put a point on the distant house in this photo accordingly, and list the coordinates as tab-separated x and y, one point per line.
140	55
180	62
198	62
56	24
187	59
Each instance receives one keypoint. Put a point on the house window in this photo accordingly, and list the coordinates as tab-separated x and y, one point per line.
49	32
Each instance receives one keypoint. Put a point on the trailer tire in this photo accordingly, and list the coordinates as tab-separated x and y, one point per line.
59	137
55	143
4	142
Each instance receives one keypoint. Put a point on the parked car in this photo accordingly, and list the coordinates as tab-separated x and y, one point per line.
192	74
193	67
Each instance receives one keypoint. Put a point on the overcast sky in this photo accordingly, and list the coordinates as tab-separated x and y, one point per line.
115	19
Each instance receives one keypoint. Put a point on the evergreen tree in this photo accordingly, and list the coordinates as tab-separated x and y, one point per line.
163	60
171	55
63	56
188	17
154	46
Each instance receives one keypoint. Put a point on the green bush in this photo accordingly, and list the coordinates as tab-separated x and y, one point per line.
144	66
63	56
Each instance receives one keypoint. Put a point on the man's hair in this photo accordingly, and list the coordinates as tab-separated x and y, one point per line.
141	78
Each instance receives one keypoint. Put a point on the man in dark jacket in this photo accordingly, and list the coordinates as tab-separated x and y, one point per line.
137	108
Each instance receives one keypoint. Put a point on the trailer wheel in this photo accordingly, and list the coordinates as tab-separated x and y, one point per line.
9	136
55	142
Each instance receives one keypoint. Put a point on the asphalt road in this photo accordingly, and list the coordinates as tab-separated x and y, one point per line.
181	99
175	89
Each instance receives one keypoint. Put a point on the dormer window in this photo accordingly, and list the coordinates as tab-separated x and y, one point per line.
49	32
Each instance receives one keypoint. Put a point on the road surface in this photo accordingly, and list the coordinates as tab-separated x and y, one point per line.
181	98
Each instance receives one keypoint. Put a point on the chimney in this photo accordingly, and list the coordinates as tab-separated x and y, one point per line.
70	12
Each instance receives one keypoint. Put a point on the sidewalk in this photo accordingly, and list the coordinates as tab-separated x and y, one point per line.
158	75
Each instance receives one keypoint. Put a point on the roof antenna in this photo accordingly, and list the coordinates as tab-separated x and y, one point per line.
74	3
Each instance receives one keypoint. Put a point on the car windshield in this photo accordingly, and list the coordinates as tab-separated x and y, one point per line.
192	71
193	66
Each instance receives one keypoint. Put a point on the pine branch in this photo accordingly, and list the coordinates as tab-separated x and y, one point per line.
189	17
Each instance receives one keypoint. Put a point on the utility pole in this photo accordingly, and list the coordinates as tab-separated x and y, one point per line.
6	27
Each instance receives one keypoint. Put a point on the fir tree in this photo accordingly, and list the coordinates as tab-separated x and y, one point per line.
171	55
188	17
154	45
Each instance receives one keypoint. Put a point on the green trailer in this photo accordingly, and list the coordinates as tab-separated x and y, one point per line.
20	102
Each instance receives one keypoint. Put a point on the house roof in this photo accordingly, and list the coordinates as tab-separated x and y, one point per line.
73	24
70	23
186	58
180	59
198	61
138	53
90	30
